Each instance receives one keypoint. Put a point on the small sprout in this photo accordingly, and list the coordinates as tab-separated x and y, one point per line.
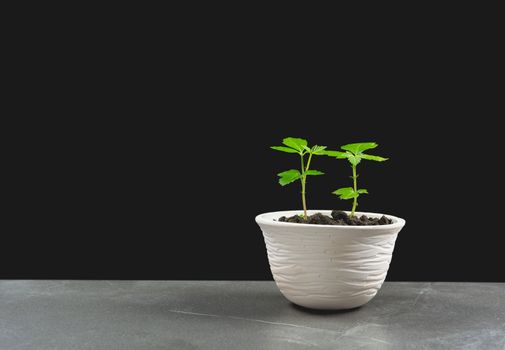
354	154
299	146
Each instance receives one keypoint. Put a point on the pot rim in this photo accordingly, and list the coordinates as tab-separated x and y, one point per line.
262	220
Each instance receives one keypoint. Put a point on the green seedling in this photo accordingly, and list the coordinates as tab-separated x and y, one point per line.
354	154
299	146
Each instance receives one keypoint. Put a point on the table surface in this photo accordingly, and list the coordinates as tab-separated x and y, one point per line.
220	315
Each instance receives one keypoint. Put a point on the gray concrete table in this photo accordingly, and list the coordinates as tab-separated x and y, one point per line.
244	315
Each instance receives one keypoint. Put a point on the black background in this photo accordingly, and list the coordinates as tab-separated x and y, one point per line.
154	165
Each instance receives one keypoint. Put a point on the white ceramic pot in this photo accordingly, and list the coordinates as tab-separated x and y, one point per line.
328	266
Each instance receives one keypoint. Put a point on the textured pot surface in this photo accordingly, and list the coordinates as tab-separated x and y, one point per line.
325	266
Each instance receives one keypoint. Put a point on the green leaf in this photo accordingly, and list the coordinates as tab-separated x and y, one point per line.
354	159
318	150
370	157
346	193
357	148
350	195
343	190
363	190
295	143
337	154
284	149
289	176
307	148
314	172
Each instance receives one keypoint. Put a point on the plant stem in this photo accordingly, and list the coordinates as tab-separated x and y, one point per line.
304	203
304	182
355	200
308	162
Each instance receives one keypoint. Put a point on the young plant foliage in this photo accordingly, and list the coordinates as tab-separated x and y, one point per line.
299	146
354	154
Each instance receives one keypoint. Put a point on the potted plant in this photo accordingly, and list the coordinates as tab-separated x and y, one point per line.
328	259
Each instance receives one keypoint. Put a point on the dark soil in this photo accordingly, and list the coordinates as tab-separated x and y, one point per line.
338	217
